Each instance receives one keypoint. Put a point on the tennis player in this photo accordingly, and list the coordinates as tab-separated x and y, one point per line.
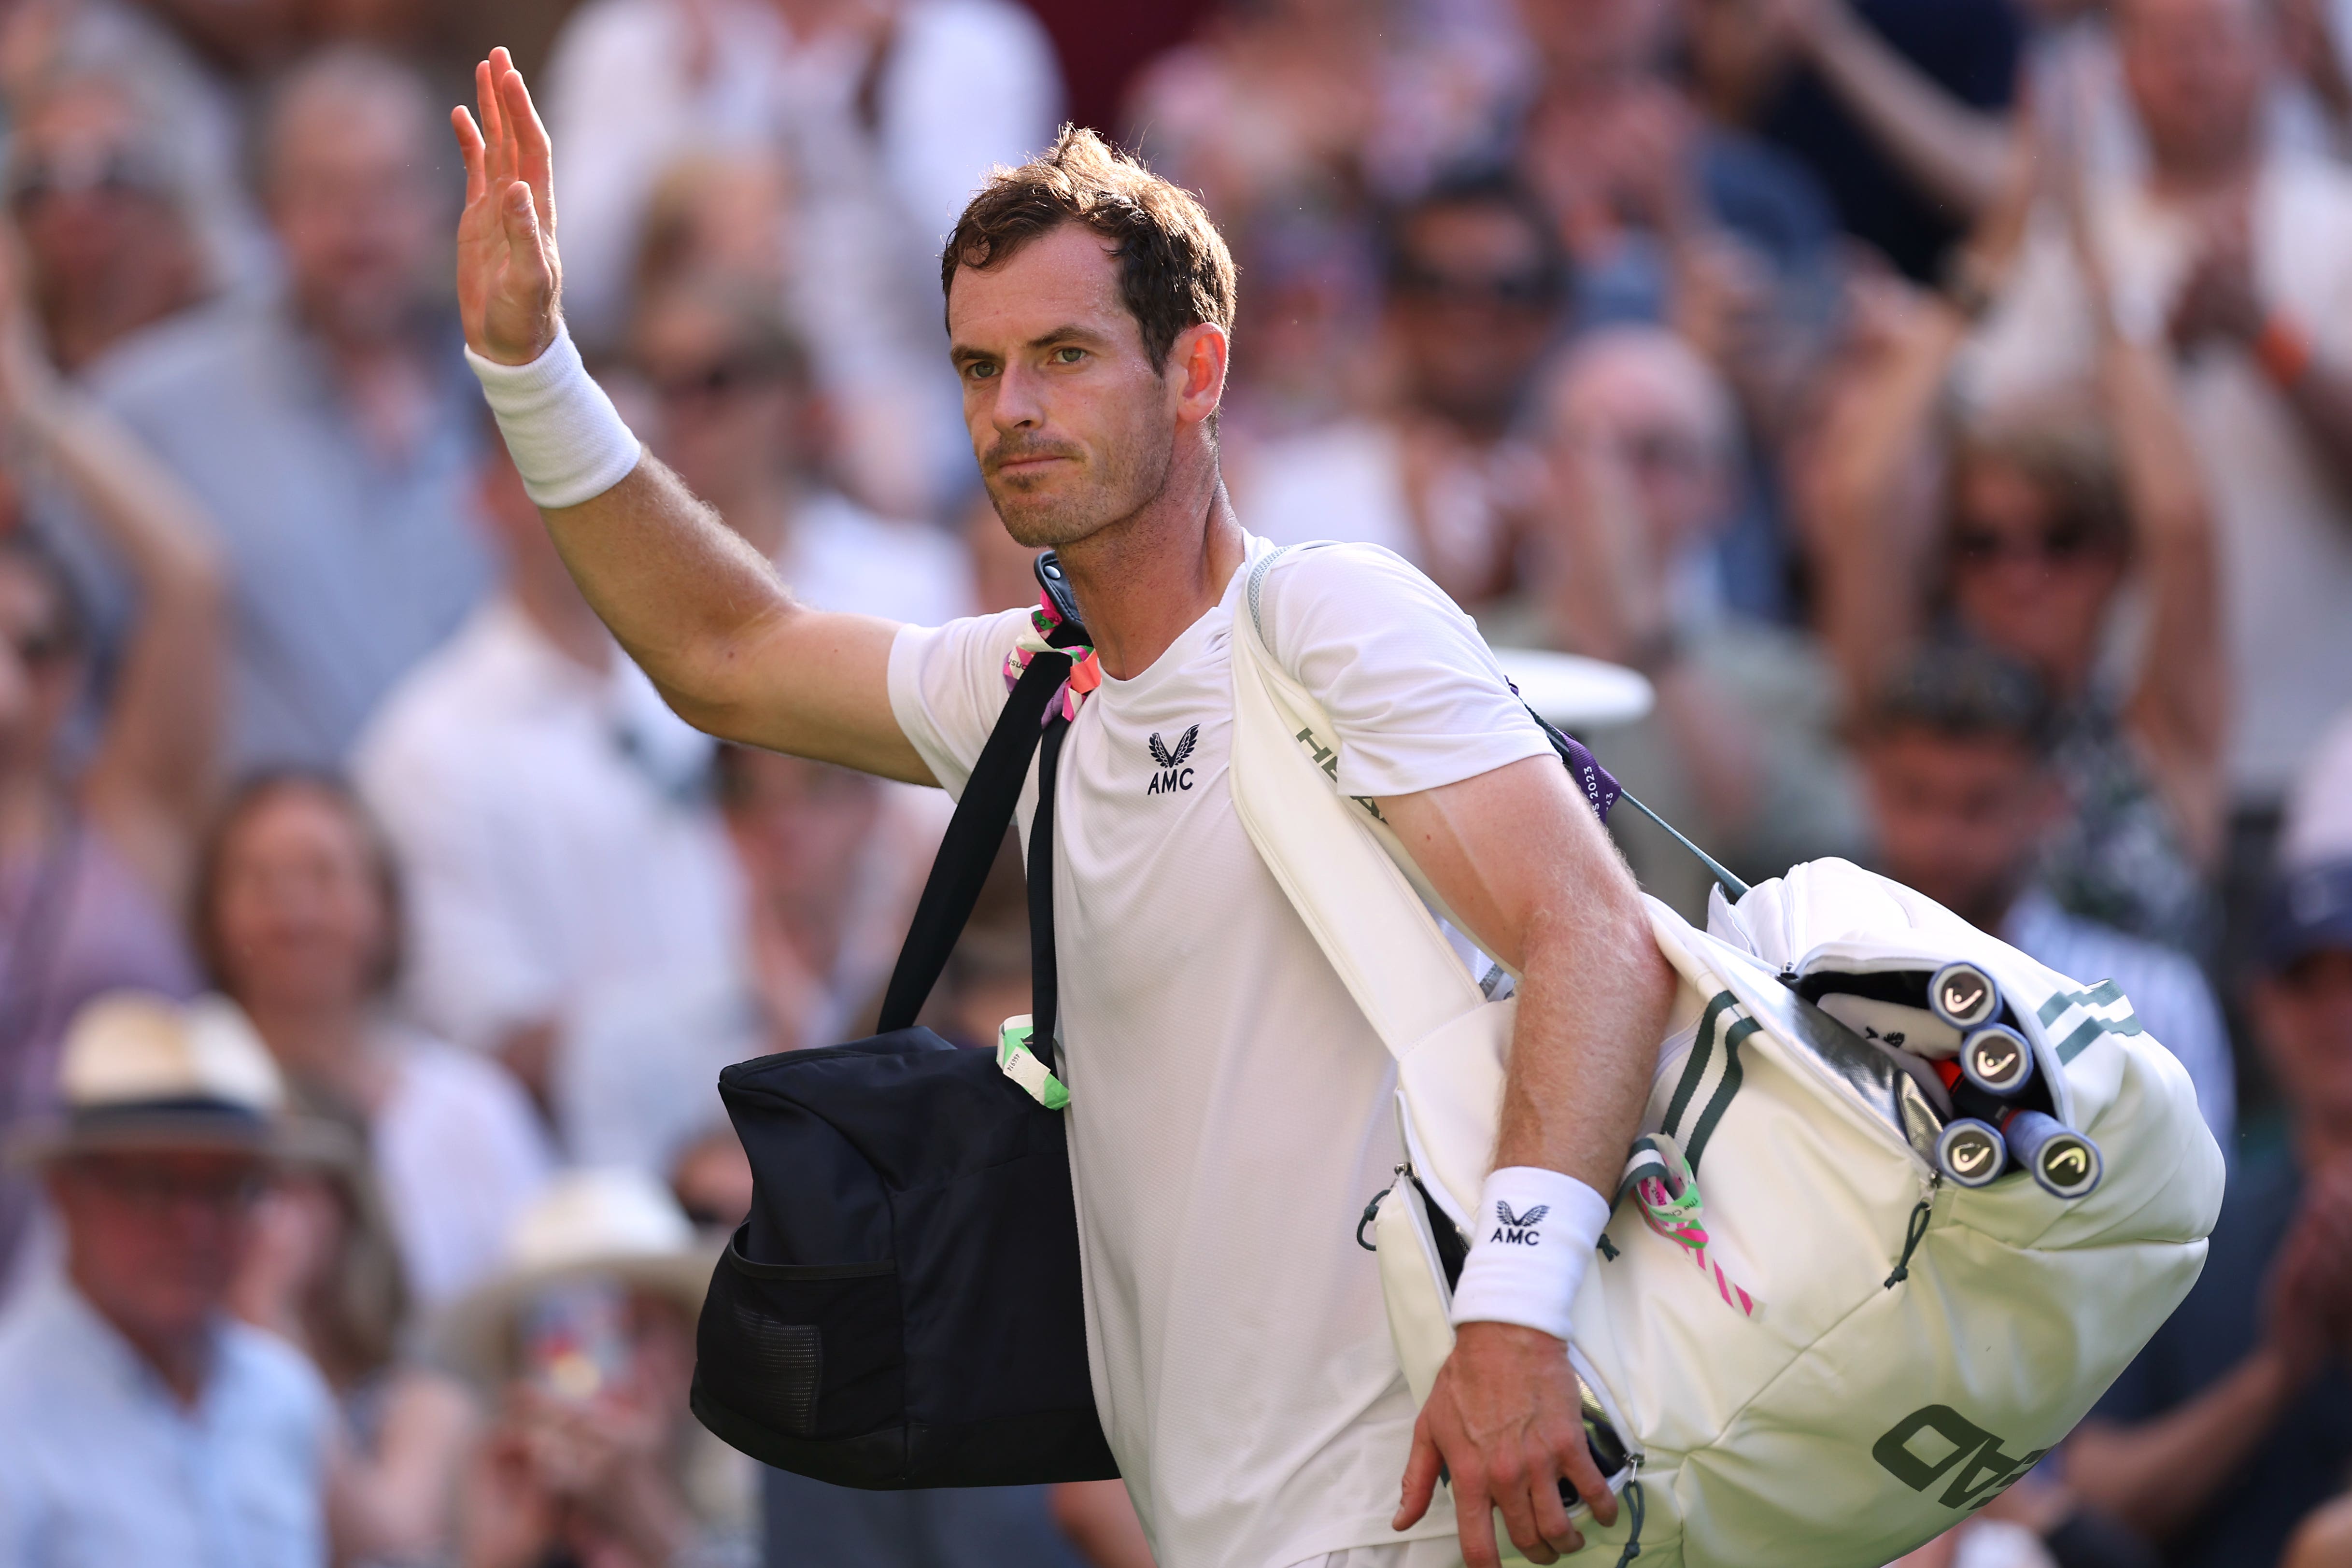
1231	1108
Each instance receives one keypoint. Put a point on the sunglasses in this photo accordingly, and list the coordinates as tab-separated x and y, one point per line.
158	1192
1496	290
117	172
2068	544
721	378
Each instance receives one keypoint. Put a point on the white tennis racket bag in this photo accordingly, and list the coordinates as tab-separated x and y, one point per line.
1822	1353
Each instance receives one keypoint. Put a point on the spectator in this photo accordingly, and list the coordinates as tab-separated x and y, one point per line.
2319	808
585	1341
1322	104
139	1422
330	433
2241	253
740	420
831	869
1642	439
1668	217
1956	755
96	192
2050	509
93	858
2236	1421
870	105
550	810
1477	292
1901	110
298	914
323	1273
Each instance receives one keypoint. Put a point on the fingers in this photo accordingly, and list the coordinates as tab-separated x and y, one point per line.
1516	1487
520	218
1420	1467
469	148
498	156
534	155
1474	1520
1577	1465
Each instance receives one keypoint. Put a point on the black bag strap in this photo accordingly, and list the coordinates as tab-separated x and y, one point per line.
975	833
1045	981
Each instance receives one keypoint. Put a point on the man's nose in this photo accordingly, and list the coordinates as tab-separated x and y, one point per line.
1019	402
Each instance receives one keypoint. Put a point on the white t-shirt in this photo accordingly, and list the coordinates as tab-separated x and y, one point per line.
551	825
2283	527
1230	1109
459	1152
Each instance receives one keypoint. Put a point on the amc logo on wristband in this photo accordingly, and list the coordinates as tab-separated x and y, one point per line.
1519	1230
1970	1454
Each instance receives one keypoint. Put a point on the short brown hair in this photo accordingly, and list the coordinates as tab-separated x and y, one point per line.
1174	269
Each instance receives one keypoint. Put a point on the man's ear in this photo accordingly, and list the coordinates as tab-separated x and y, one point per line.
1196	369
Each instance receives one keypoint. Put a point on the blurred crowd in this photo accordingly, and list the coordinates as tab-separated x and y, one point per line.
1946	404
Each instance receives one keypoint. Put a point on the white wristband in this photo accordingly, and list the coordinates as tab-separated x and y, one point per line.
1536	1232
569	441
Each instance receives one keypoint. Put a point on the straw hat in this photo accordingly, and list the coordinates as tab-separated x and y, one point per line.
141	1071
615	1222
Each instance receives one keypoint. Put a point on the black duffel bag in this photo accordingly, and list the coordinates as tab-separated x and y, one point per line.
903	1307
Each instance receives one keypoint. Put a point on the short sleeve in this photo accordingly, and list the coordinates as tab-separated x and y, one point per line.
946	688
1410	686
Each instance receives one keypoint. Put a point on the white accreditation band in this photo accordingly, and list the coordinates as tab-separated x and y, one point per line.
569	441
1536	1232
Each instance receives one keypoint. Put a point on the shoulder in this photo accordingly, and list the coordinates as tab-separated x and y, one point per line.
995	27
274	1378
434	711
162	363
1324	589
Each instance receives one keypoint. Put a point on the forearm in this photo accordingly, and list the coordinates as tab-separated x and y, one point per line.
2178	710
1954	153
2322	400
153	778
2160	1474
1594	995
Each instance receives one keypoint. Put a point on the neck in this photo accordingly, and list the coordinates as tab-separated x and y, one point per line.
2320	1142
181	1358
557	612
759	506
2215	173
325	1045
28	810
1141	581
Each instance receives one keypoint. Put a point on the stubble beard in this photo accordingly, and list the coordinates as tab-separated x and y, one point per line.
1131	475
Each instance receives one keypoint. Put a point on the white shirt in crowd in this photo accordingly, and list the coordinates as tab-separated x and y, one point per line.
2318	824
551	823
839	556
1231	1107
2167	993
2283	526
459	1152
101	1465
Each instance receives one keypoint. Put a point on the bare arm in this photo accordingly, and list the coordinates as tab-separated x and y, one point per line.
1956	154
2178	711
1519	857
699	610
398	1502
2160	1474
151	783
1868	540
1100	1518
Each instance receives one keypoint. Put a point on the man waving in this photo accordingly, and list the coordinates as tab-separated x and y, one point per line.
1230	1106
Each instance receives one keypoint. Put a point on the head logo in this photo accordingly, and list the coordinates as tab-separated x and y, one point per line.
1519	1230
1173	775
1968	1158
1922	1448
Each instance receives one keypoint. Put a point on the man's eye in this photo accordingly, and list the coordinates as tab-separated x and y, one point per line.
1068	356
979	370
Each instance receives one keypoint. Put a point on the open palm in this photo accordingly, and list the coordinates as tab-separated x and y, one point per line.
508	275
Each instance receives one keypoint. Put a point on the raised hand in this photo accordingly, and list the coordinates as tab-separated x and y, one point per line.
509	280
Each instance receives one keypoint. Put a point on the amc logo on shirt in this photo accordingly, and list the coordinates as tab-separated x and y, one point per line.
1173	775
1973	1456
